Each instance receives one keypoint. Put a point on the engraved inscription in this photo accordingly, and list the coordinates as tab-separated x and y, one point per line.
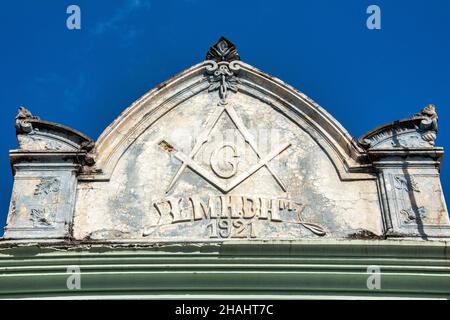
230	216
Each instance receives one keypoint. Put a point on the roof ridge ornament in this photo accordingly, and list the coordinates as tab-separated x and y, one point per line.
222	68
22	120
429	124
419	131
223	50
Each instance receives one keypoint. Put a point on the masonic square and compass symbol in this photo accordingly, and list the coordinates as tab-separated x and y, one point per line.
221	64
255	213
203	138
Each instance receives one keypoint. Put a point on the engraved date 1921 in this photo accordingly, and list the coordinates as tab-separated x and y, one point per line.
227	228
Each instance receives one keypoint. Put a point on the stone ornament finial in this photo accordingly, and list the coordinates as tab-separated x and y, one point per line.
22	120
428	113
223	50
222	68
429	124
420	131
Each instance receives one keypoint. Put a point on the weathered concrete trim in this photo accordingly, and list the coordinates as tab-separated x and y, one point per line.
48	161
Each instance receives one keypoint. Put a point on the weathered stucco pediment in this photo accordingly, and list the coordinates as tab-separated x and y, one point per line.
34	134
417	132
221	152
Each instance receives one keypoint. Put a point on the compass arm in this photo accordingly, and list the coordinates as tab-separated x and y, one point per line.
248	138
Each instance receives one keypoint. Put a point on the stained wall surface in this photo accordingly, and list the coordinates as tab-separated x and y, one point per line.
224	152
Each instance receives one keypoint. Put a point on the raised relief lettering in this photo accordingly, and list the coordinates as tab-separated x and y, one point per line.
178	213
202	210
251	207
269	209
231	216
226	168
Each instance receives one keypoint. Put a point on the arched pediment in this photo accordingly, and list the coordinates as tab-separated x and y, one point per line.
36	135
348	157
223	151
225	137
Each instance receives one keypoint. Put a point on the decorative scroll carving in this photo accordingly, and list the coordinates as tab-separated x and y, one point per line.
418	132
47	186
22	121
47	191
88	146
410	215
429	125
222	68
410	211
42	217
35	134
402	183
313	227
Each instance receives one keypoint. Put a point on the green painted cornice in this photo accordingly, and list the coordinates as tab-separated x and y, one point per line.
267	269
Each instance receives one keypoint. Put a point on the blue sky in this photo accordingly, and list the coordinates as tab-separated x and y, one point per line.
85	78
